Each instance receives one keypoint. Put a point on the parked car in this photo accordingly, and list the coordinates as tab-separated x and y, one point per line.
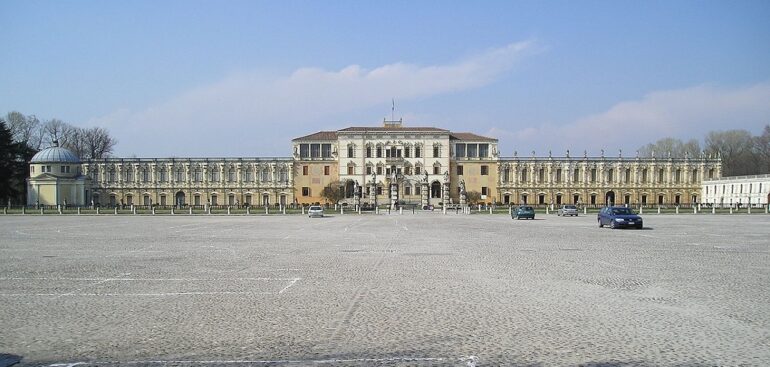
619	217
315	211
565	210
523	212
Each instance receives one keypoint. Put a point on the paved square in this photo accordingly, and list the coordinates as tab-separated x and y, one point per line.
395	290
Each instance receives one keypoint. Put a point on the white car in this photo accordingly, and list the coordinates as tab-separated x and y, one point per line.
315	211
565	210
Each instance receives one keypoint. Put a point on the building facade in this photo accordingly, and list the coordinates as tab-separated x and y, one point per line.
737	191
382	165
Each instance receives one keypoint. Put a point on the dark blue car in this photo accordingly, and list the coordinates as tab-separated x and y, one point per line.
619	217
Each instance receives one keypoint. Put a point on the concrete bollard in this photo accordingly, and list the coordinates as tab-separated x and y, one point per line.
713	210
23	210
694	210
677	209
190	211
228	210
659	210
443	210
376	210
133	210
510	210
490	210
731	210
78	210
749	209
303	210
58	207
585	210
5	210
116	210
641	209
479	208
400	210
267	210
42	211
546	210
248	210
172	210
284	210
153	210
342	209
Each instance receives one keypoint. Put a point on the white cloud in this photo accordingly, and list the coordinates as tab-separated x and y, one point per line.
269	111
682	113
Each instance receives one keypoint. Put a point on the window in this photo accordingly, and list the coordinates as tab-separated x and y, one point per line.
32	169
214	199
231	199
524	175
129	200
326	150
179	175
249	176
305	191
163	175
644	175
379	152
379	190
417	190
315	150
459	170
368	152
472	150
483	150
408	190
694	177
576	175
541	175
265	175
197	175
460	150
283	175
304	170
628	176
484	191
379	170
129	175
350	151
558	175
326	170
417	169
304	150
147	200
593	176
678	176
417	152
48	169
146	177
711	173
436	170
163	200
610	175
368	170
484	170
660	175
351	170
231	175
436	151
213	175
407	170
407	152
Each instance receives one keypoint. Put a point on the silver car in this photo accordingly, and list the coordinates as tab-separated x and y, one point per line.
565	210
315	211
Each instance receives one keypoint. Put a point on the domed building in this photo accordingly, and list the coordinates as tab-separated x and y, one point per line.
55	178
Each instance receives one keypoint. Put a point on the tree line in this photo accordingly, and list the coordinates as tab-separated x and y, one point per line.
742	153
21	136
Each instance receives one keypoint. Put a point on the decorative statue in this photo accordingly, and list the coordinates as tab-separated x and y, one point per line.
567	153
462	186
425	177
446	176
393	177
374	178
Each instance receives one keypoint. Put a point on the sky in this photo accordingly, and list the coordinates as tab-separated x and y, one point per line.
242	78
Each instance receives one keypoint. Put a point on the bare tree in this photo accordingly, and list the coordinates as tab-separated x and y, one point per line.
25	129
674	147
97	143
762	150
735	147
58	130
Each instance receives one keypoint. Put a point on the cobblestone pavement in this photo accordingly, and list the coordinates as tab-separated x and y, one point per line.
388	290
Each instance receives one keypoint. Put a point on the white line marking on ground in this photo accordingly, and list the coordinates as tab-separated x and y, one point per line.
158	279
84	287
57	295
293	281
277	361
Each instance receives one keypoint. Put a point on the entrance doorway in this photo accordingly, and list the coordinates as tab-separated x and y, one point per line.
610	198
435	190
180	199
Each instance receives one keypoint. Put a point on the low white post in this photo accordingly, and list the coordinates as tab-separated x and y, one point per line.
23	210
342	209
376	210
677	209
443	210
490	210
479	208
731	209
248	210
172	211
546	210
228	210
78	211
510	209
42	211
641	209
190	211
713	209
284	210
749	208
303	210
116	210
658	209
335	207
153	210
585	210
401	210
58	207
694	210
267	210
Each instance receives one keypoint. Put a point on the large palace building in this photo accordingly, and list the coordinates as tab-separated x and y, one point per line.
378	165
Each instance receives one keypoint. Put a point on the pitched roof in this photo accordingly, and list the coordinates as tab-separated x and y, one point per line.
388	129
470	137
321	135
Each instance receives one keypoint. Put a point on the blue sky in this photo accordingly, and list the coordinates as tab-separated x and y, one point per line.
241	78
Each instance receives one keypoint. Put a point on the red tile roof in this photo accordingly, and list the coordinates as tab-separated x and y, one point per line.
321	135
470	137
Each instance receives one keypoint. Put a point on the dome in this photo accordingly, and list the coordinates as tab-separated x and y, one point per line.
55	154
